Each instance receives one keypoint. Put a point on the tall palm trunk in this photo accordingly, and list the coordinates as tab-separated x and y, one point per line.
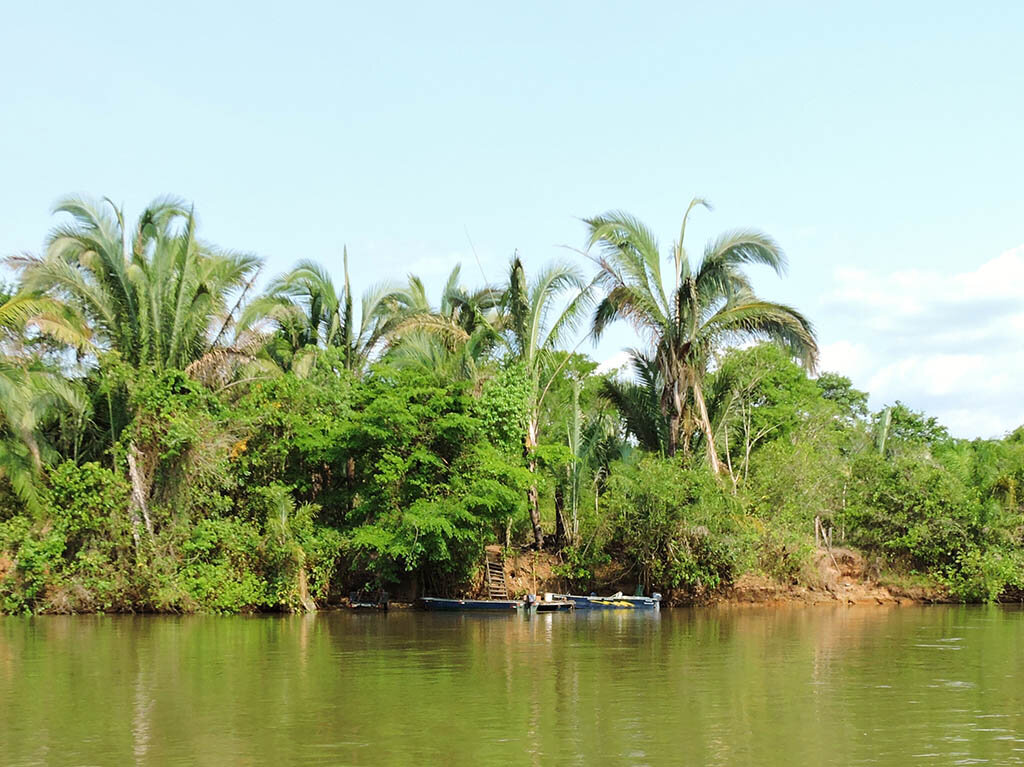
532	495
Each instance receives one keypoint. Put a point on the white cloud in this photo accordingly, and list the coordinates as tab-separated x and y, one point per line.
615	362
948	343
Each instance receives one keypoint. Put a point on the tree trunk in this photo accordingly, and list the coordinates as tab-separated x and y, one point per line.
672	409
141	479
533	499
673	435
350	481
560	530
532	495
705	424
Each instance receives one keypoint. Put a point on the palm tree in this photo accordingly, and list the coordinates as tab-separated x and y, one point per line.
594	440
451	339
638	403
532	337
708	304
309	314
155	294
29	390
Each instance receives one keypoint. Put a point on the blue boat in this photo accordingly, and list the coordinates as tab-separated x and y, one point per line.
614	602
487	605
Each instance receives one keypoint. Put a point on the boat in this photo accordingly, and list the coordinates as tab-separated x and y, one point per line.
554	606
484	605
549	604
368	600
614	602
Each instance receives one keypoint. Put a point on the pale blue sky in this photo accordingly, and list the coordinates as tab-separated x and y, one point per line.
880	144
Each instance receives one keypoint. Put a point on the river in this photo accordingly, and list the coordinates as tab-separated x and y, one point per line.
799	686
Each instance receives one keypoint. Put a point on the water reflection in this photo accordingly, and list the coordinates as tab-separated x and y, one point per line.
801	686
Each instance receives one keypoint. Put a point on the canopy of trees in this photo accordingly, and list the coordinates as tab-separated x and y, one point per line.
175	436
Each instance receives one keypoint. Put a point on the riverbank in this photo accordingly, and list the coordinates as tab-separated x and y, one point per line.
838	576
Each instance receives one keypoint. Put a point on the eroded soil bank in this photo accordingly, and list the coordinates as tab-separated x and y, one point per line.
840	576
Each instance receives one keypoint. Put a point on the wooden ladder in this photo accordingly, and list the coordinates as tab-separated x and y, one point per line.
494	571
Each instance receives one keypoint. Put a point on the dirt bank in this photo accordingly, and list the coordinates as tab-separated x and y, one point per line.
840	576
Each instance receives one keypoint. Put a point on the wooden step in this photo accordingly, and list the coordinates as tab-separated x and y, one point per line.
497	585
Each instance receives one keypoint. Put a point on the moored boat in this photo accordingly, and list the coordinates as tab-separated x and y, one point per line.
368	600
551	603
489	605
614	602
554	606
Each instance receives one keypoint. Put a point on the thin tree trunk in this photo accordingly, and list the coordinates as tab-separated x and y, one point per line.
350	481
574	511
532	495
533	499
141	480
560	531
705	423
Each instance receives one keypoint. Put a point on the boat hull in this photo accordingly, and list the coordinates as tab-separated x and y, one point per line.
363	600
610	603
463	605
561	606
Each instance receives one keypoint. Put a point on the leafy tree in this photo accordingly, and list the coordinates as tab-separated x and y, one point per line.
677	525
151	293
852	403
30	390
639	403
705	305
759	395
430	488
594	442
533	329
920	515
900	429
308	314
455	337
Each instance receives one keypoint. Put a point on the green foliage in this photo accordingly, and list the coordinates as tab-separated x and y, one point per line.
77	554
503	408
169	441
689	319
678	525
852	403
901	431
290	430
784	553
429	488
221	566
579	564
758	395
924	515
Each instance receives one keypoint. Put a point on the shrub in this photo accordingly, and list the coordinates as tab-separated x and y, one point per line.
679	526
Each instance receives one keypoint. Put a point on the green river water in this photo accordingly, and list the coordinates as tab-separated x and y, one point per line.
802	686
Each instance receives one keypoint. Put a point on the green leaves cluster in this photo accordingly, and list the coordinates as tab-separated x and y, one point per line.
430	488
676	524
172	439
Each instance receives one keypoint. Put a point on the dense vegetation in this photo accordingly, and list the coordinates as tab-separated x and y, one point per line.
170	439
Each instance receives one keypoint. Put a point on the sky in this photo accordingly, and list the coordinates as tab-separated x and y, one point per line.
879	143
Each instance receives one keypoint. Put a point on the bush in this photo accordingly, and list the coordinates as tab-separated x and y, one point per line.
925	516
679	526
78	554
